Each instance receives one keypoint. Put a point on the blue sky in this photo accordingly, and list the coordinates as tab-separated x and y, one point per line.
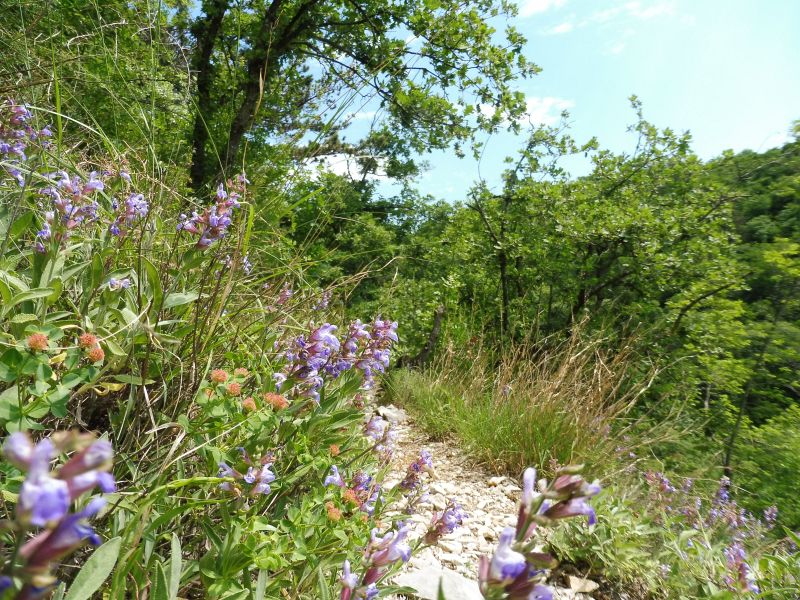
727	70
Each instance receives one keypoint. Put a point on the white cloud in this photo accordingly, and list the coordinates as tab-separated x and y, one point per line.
528	8
344	164
564	27
539	110
650	10
363	115
545	110
616	48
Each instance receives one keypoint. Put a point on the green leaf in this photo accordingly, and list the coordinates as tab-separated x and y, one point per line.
95	571
440	593
25	296
175	568
161	587
322	585
23	318
180	298
9	408
261	585
154	281
20	225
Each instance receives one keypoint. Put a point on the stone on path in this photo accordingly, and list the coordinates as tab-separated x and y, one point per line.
426	581
578	584
393	414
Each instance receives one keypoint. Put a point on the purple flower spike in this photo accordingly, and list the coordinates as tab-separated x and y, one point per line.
507	564
98	455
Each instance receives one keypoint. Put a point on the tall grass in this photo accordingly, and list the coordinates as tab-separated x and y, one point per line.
519	408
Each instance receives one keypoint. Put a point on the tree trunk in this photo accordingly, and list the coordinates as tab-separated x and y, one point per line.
206	33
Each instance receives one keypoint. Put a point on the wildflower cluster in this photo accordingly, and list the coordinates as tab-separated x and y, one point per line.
723	516
381	554
362	491
212	223
310	357
445	522
383	434
423	464
517	570
44	503
134	208
16	134
254	482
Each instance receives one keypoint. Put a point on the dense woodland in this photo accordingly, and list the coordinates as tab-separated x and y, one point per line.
689	268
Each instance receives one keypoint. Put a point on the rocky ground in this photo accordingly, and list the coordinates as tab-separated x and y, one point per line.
490	501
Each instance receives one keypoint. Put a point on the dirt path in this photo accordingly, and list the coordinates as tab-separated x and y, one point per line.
490	502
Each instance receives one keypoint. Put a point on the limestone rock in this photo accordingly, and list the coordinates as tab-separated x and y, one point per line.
584	586
393	414
426	581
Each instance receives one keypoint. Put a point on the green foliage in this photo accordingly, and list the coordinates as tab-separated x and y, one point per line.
773	447
512	411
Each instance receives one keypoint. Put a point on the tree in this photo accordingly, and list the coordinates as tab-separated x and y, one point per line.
270	70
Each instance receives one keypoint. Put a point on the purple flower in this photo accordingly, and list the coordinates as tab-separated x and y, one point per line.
98	455
743	579
529	493
507	564
390	548
445	522
43	500
119	284
278	378
70	534
18	450
376	427
771	516
348	579
334	478
225	470
264	477
540	592
423	464
322	303
571	508
284	295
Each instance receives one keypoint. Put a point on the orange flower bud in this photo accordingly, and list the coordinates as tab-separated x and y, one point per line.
219	376
87	340
96	354
38	342
334	514
249	405
241	372
334	449
276	401
234	389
